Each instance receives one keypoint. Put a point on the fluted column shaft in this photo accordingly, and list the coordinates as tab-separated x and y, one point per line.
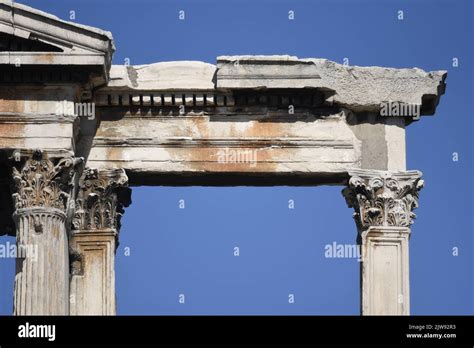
41	281
41	195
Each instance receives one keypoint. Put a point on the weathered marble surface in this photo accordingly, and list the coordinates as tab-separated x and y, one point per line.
384	204
247	120
63	43
94	239
142	131
163	76
356	88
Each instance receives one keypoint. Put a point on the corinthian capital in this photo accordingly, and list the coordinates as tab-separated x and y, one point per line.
101	199
42	182
383	198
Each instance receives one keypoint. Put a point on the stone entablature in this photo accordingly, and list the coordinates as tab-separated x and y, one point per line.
38	38
301	118
359	89
247	120
211	102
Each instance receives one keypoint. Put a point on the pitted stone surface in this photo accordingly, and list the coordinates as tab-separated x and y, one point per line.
356	88
249	120
180	75
360	89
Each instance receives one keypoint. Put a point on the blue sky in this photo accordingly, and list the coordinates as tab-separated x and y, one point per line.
189	251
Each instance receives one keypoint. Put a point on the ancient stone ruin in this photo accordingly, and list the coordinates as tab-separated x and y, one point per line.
76	132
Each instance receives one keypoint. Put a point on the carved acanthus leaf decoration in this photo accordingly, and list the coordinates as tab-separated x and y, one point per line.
40	182
383	198
101	199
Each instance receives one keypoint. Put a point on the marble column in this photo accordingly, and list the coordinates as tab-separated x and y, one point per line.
42	187
99	207
384	202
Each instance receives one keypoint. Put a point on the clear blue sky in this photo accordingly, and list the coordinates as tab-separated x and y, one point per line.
190	251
